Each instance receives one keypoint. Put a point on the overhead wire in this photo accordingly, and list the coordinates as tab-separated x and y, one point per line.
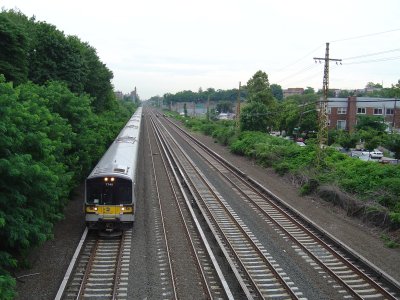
371	54
293	75
365	35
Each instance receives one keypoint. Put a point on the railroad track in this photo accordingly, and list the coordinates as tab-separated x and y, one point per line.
211	281
257	273
357	279
101	271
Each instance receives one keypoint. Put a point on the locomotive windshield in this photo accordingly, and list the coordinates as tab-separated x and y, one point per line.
108	191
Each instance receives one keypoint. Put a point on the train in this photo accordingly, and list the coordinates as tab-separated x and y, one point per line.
111	188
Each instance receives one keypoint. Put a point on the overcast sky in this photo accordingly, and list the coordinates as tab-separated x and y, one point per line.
163	46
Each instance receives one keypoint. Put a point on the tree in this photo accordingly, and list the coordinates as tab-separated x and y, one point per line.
277	92
374	85
309	90
14	48
254	117
259	90
224	107
347	140
371	123
393	144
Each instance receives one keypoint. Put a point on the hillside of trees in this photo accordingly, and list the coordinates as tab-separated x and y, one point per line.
58	114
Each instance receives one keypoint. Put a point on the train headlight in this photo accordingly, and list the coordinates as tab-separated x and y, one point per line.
91	209
112	179
105	179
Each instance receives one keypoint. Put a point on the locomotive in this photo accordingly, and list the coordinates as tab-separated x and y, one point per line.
111	188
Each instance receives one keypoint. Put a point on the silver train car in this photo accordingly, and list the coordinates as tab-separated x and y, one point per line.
111	188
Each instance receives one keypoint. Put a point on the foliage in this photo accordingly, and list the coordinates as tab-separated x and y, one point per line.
255	117
371	123
259	90
367	180
203	96
389	242
277	91
224	107
393	144
347	140
49	140
13	45
39	52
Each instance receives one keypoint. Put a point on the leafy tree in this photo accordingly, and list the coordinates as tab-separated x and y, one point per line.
373	85
393	144
371	123
277	91
259	90
254	117
13	54
309	90
347	140
224	107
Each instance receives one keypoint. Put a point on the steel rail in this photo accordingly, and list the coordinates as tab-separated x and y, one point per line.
187	205
239	227
118	267
340	257
161	147
87	271
173	279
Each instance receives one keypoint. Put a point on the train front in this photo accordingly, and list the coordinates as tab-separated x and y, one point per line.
109	204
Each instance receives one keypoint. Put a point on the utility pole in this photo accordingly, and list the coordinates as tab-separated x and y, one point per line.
238	108
208	108
323	105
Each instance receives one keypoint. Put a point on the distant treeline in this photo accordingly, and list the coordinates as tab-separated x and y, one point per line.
202	96
58	114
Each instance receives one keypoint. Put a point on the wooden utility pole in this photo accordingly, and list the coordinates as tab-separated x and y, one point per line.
323	106
238	108
208	108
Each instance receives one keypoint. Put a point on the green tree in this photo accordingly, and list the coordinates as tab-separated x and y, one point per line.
371	123
277	91
224	107
254	117
309	90
14	48
393	144
259	90
347	140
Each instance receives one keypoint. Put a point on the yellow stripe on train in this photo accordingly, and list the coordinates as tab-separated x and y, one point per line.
109	209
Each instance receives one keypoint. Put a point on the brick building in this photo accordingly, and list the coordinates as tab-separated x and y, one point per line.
343	112
292	91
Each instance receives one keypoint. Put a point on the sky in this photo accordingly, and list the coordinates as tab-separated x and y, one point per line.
167	46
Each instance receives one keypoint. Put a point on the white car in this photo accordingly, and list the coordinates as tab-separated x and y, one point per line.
373	154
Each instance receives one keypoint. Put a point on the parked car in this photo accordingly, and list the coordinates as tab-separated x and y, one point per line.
373	154
301	144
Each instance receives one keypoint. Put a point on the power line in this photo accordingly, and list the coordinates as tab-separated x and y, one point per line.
374	60
298	72
371	54
366	35
300	59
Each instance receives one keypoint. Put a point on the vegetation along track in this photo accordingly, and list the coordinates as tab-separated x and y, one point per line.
357	277
258	275
102	269
190	256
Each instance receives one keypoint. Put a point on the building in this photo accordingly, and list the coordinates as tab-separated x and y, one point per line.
343	112
119	95
292	91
